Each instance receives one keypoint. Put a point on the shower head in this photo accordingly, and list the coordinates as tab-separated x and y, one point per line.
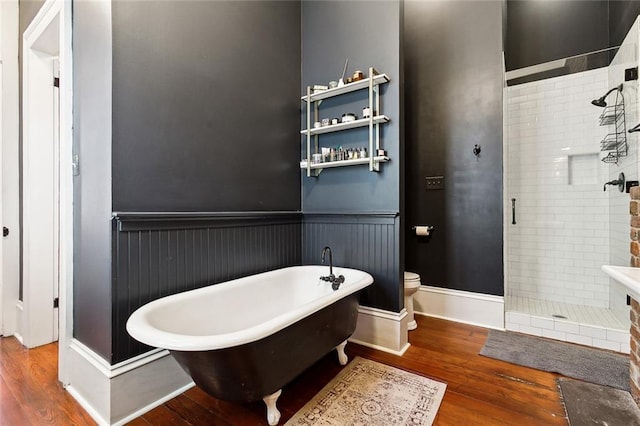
600	102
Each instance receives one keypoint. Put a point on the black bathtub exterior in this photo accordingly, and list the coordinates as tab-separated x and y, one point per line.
254	370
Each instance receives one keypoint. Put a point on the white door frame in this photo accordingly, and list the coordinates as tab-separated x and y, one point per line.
47	37
9	177
2	139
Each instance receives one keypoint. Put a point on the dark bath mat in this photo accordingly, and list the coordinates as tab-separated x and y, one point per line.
588	364
589	404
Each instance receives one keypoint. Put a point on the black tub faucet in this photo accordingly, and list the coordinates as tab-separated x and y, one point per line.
335	281
324	252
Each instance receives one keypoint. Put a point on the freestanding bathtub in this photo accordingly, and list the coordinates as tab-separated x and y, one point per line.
245	339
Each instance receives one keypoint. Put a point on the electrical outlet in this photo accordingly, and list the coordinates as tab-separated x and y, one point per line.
434	182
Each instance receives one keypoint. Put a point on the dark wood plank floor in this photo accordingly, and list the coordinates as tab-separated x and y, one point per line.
30	393
480	390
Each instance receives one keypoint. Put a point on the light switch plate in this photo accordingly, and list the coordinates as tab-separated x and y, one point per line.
434	182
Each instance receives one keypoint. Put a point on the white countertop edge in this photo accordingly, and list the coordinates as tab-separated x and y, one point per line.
628	276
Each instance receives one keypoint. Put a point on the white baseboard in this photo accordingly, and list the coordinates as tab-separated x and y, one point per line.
382	330
460	306
115	395
95	415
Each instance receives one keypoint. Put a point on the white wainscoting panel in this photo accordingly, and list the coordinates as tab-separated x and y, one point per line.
382	330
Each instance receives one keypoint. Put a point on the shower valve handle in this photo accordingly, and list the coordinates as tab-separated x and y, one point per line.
617	182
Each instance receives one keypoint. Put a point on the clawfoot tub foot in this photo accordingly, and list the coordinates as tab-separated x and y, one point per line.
273	415
342	357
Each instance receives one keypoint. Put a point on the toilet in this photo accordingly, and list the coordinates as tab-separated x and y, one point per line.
411	285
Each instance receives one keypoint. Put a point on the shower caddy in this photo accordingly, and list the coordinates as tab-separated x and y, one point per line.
372	83
616	142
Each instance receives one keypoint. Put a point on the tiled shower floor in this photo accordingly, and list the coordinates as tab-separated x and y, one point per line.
585	325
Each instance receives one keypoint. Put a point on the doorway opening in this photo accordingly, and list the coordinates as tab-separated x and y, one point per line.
47	186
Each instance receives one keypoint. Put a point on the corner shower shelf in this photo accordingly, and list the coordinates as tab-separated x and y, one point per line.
615	142
373	122
610	142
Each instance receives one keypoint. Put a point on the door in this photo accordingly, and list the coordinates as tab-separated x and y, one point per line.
41	187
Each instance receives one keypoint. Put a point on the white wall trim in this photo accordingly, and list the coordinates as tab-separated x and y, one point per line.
45	15
484	310
9	124
95	415
382	330
65	290
103	422
116	394
381	348
137	361
123	367
47	214
154	404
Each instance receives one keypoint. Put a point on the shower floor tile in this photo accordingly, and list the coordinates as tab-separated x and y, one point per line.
584	325
588	315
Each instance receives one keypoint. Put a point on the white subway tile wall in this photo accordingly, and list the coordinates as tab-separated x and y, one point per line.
561	236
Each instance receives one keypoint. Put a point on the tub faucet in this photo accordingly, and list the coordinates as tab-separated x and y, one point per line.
324	252
335	281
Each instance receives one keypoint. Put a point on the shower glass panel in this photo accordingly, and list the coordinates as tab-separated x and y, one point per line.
625	58
565	223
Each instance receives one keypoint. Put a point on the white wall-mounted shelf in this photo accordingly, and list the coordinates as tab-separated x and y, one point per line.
345	126
313	101
377	80
343	163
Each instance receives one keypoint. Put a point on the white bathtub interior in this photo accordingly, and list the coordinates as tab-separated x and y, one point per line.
566	225
245	309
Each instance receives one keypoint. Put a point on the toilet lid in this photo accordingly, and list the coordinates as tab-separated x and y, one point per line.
411	276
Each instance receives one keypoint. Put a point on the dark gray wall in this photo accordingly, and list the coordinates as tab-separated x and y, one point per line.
622	15
190	133
453	100
206	105
369	34
542	31
92	188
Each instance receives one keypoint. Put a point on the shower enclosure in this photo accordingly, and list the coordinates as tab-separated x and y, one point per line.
560	226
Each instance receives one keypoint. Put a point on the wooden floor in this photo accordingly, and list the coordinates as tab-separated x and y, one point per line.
30	393
480	390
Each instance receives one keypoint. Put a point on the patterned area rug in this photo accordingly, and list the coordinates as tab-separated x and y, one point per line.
370	393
